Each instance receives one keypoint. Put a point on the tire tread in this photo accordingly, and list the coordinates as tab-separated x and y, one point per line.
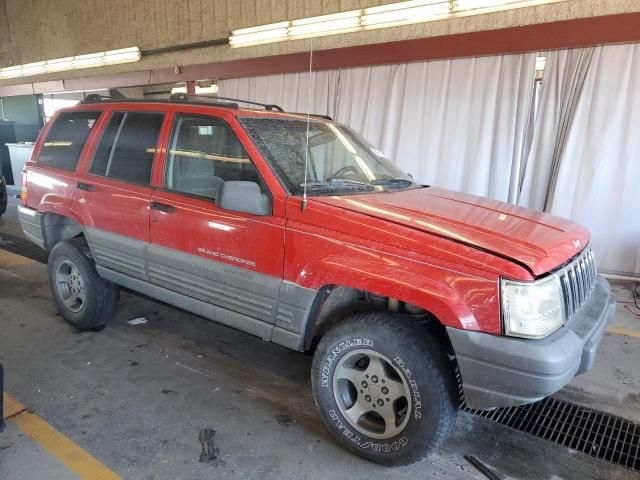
107	294
417	342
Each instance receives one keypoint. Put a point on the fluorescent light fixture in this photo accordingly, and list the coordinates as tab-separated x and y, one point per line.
325	24
256	37
87	61
262	28
60	64
91	60
392	14
303	28
412	11
36	68
473	4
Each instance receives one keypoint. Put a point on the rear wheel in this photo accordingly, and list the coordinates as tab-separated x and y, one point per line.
385	388
83	298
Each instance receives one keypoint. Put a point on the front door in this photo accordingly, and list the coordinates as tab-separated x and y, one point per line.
229	264
115	191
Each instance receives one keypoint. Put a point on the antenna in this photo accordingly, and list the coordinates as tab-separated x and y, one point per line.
306	150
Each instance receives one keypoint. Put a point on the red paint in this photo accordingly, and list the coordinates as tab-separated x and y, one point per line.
441	250
199	223
116	206
582	32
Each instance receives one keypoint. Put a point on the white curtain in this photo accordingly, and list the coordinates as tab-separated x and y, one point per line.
290	91
564	77
597	182
458	124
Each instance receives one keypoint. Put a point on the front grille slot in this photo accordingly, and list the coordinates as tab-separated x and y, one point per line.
578	279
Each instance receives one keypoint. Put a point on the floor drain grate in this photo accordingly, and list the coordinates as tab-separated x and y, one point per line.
601	435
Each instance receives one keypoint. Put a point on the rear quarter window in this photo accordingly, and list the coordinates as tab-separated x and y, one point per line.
66	138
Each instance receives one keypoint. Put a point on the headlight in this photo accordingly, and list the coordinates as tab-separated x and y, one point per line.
532	310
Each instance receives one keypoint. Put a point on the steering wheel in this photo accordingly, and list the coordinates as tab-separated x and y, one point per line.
339	172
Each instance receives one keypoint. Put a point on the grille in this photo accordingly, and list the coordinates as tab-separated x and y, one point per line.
598	434
577	279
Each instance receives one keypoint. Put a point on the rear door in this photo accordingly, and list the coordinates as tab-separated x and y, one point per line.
114	190
224	258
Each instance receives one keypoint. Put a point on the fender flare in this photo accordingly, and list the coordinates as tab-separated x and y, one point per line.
414	286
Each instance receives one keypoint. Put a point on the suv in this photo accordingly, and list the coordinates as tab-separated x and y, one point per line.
295	229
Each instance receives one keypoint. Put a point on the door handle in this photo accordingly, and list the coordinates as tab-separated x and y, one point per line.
163	207
86	187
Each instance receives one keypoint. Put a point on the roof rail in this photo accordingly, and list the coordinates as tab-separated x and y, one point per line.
96	97
187	96
178	97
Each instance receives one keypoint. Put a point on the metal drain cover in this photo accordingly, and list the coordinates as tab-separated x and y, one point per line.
599	434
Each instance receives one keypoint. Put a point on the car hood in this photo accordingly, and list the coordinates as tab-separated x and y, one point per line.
537	240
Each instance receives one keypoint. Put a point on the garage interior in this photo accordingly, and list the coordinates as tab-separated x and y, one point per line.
535	103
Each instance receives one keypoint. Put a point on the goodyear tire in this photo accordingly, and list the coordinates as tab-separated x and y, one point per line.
83	298
384	388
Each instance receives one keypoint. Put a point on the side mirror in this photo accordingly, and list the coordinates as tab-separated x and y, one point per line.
245	197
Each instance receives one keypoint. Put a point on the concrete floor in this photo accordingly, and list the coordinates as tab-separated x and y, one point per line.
136	397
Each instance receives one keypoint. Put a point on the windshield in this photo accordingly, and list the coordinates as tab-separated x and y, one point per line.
340	161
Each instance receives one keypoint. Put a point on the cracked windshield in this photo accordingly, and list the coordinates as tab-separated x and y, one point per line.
340	162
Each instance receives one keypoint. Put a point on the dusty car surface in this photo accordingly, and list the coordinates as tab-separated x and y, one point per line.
406	294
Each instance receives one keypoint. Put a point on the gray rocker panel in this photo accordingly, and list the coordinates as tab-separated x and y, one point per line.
231	295
213	312
117	252
235	288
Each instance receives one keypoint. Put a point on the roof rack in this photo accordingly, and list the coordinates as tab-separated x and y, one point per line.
188	96
176	98
96	97
185	97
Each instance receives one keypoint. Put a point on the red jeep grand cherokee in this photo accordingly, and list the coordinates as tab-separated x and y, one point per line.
404	292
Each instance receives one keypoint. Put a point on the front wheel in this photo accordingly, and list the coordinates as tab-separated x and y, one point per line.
384	388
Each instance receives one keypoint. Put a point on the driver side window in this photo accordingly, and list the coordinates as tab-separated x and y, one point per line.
203	154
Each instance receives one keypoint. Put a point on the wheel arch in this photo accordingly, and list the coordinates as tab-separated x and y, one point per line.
332	306
58	228
334	303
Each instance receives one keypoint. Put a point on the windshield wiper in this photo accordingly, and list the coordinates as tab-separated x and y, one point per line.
337	184
392	182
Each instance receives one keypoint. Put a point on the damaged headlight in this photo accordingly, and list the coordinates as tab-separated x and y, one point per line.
532	309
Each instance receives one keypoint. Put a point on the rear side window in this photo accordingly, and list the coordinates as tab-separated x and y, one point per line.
127	147
66	139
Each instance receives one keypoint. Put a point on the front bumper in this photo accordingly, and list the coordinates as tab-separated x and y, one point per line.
499	371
